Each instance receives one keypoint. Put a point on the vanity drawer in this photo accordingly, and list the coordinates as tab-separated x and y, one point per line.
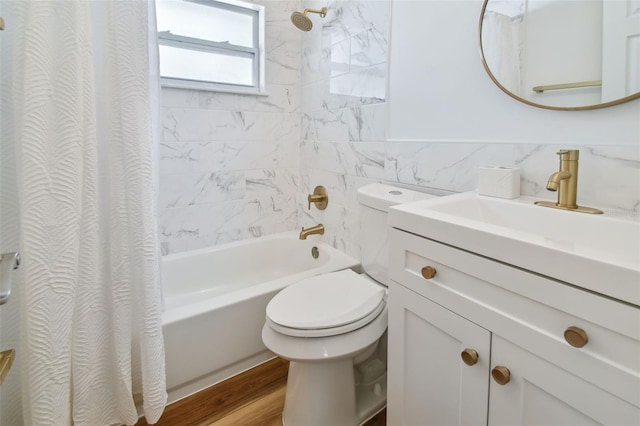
528	309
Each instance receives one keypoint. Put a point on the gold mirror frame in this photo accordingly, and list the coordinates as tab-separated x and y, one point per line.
518	98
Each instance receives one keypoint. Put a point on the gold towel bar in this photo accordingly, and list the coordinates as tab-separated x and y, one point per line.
540	89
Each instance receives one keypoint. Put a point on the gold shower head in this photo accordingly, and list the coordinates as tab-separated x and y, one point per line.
302	21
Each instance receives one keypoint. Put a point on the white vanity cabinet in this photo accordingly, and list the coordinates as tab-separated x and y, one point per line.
428	384
515	321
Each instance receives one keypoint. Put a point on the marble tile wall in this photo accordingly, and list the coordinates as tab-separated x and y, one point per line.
229	167
344	115
609	175
345	145
235	167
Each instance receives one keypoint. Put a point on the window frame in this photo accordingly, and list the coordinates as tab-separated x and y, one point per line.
256	53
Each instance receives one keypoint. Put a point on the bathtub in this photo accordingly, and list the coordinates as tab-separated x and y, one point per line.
215	300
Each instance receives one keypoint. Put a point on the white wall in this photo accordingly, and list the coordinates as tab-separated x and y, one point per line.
10	391
447	118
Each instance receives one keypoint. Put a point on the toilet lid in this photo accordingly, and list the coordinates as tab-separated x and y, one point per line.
325	301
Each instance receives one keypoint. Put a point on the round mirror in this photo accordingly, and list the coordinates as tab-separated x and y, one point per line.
562	55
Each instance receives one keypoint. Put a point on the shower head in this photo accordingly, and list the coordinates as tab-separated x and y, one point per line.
302	21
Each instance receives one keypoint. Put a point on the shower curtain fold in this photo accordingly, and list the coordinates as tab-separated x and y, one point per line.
85	129
503	48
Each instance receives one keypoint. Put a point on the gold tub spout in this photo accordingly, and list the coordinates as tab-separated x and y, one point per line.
318	229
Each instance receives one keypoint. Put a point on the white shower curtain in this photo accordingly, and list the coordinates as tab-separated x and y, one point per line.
84	128
502	43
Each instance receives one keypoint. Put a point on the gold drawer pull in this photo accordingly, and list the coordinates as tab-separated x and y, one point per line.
576	337
469	356
428	272
501	375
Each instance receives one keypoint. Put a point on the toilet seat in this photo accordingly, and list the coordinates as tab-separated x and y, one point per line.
325	332
326	305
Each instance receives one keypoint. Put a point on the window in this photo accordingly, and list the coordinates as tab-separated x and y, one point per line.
211	45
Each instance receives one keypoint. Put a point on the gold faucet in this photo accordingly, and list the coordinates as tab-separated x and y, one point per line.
565	181
318	229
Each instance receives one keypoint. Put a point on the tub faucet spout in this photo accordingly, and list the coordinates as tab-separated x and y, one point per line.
318	229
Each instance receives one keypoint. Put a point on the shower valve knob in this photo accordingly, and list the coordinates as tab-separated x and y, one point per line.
319	198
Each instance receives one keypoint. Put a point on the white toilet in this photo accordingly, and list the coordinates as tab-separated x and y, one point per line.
332	328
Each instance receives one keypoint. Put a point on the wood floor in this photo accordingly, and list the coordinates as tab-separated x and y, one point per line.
264	411
253	398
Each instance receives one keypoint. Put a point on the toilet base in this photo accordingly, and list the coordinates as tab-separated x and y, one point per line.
323	387
320	394
334	393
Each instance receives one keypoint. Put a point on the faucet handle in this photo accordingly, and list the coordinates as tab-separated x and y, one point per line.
319	198
569	154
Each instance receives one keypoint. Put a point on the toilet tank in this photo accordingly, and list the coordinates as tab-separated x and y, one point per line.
375	200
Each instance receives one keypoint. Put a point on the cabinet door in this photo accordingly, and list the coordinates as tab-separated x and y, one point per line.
541	393
428	382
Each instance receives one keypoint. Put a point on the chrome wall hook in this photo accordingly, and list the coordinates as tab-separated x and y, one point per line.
8	263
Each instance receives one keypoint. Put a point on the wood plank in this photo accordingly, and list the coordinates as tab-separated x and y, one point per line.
379	419
219	400
260	412
255	397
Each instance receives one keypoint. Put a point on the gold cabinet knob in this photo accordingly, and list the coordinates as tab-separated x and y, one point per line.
576	337
469	356
501	375
428	272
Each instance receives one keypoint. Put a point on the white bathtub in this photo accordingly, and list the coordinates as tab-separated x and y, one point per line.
215	302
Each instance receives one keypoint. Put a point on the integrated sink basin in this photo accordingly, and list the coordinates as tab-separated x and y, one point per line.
600	253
